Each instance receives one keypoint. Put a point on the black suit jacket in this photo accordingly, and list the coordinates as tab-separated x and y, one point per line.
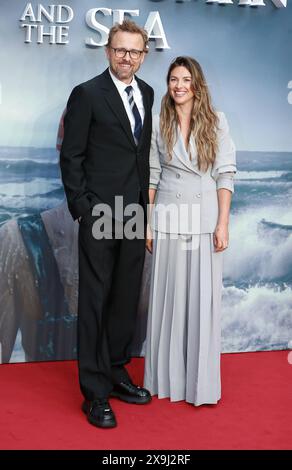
99	158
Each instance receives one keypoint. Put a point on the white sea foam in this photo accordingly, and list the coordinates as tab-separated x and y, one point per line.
264	182
256	318
256	251
257	175
36	187
29	160
37	204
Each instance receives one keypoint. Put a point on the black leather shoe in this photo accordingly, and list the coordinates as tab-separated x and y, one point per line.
99	413
130	393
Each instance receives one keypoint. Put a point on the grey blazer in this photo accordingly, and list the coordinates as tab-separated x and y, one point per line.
186	200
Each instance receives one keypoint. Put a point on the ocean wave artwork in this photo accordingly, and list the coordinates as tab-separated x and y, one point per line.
257	281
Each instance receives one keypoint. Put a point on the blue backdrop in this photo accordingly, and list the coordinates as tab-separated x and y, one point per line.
245	53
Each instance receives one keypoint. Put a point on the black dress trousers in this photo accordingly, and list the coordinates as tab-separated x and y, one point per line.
110	273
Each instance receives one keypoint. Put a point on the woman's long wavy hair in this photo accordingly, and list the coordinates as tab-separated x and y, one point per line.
203	122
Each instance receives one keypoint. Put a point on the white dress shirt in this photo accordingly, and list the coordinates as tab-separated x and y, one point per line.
138	98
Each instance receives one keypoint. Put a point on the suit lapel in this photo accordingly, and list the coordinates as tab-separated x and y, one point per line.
147	110
116	104
182	155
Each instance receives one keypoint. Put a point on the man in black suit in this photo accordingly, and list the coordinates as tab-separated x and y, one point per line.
105	154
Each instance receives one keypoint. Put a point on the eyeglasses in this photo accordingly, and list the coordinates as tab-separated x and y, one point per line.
120	52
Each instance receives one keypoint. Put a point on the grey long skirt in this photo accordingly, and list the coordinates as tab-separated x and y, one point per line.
182	358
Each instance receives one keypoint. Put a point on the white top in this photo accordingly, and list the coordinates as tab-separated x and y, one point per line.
138	98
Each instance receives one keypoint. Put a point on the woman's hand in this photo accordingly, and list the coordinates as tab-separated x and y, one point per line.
221	237
149	238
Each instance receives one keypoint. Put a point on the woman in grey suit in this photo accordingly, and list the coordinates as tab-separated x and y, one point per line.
192	164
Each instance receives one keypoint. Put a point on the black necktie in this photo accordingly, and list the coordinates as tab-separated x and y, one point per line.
136	114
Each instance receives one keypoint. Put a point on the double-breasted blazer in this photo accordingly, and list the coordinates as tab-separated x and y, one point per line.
186	200
99	158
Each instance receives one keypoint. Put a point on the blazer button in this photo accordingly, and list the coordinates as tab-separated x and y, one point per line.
198	195
178	195
178	175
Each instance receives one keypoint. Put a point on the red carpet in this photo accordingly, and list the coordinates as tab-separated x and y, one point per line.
40	409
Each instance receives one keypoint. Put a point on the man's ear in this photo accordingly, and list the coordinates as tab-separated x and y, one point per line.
107	52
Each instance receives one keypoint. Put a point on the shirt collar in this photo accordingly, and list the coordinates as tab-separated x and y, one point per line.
121	86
